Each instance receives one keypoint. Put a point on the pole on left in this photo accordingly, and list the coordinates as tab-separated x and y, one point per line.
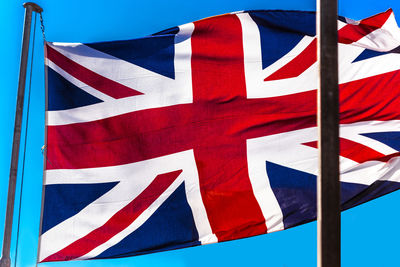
29	8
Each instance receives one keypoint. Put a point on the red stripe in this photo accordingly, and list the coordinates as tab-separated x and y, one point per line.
372	98
358	152
118	222
157	132
147	134
218	76
347	35
98	82
389	157
298	65
355	151
352	33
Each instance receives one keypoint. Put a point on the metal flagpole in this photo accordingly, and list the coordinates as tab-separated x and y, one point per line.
328	124
29	8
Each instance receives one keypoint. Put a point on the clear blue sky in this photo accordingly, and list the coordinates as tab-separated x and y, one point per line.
370	232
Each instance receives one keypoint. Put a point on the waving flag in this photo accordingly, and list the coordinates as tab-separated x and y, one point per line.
206	132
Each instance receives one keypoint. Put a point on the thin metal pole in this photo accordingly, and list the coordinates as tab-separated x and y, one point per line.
29	8
328	125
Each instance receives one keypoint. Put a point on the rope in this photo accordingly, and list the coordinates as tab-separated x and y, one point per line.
41	25
25	141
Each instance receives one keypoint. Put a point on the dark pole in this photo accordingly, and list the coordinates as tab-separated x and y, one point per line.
29	7
328	124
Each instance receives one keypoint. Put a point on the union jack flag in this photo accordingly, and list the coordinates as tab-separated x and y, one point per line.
206	132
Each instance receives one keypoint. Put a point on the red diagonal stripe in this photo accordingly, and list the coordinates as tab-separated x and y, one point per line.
347	35
357	152
118	222
98	82
298	65
389	157
352	33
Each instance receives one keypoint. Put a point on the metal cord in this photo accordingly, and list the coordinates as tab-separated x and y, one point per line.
25	141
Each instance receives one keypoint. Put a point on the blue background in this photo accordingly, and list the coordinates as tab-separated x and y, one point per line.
370	232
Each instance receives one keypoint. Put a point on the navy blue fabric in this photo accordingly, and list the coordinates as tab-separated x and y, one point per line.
391	139
396	50
173	30
155	53
371	53
65	200
366	54
275	43
296	193
302	22
342	19
64	95
171	226
377	189
350	190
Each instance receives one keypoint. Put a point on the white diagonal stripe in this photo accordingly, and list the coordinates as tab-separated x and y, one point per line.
133	180
158	91
78	83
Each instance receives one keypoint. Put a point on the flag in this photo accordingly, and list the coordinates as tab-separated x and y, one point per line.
207	132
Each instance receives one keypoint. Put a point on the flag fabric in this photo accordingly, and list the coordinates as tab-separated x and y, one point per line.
207	132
